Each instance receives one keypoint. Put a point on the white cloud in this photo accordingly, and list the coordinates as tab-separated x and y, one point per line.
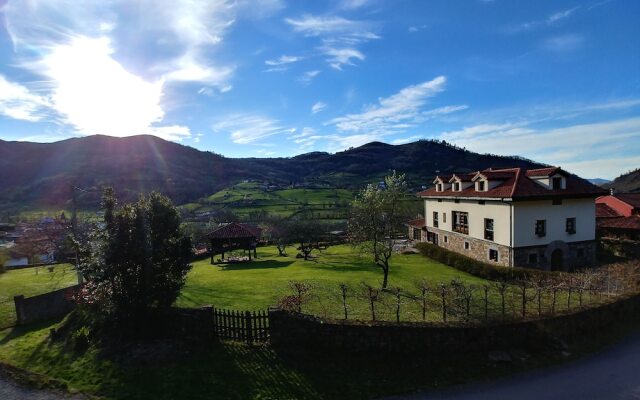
282	60
317	107
342	56
18	102
248	129
353	4
339	37
393	113
552	19
563	43
558	16
308	76
570	145
417	28
406	140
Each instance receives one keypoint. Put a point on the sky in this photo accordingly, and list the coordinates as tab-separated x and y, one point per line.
554	81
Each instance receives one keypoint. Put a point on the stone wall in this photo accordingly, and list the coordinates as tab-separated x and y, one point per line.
576	255
45	306
478	248
292	330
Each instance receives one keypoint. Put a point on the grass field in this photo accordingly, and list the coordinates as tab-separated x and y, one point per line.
30	282
261	283
248	197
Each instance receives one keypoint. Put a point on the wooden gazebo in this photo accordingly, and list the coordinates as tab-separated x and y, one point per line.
234	236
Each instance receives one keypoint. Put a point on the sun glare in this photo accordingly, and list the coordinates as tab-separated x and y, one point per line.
97	94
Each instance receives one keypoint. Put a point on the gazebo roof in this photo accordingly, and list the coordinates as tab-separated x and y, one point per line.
234	230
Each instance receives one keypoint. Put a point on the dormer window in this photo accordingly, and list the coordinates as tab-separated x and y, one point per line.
439	187
556	183
481	186
456	186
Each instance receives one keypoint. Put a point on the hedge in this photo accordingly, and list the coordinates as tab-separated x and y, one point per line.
479	268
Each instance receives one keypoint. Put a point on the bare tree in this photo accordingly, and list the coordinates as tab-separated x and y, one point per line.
343	291
376	218
424	289
502	287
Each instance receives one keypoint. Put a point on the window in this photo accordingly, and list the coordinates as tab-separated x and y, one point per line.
556	183
488	229
541	227
439	200
461	222
456	186
446	239
533	258
435	219
571	226
556	202
456	201
439	187
493	255
481	186
467	246
481	202
444	217
417	234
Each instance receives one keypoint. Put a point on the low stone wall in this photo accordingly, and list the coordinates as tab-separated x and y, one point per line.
291	330
45	306
478	248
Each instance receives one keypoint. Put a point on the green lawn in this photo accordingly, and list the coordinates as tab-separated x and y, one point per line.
30	282
260	284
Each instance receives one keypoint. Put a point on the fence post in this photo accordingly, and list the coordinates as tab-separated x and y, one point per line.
247	316
19	304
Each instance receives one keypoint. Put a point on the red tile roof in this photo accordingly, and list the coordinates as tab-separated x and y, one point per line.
633	199
234	230
516	184
627	223
604	211
417	223
544	171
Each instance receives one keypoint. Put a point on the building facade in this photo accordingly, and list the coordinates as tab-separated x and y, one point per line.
538	218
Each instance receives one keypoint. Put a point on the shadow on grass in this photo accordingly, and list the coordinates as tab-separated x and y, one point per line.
216	370
19	331
261	264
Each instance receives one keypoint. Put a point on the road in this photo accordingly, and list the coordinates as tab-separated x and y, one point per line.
613	374
11	391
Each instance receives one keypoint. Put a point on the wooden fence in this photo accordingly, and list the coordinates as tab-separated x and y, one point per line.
247	326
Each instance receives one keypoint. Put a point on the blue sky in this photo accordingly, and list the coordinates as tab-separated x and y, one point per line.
555	81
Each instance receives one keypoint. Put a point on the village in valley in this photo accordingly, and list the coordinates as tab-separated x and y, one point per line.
349	199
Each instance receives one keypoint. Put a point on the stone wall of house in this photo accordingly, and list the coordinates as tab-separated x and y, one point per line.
293	330
477	248
575	255
45	306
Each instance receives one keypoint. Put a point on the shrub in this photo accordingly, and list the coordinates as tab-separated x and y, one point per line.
479	268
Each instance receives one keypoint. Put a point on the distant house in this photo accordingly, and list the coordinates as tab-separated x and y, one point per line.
537	218
618	215
417	230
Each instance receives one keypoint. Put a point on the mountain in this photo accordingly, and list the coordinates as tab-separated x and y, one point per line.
599	181
40	175
627	183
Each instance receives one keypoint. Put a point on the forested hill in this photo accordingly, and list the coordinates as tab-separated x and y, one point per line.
627	183
41	174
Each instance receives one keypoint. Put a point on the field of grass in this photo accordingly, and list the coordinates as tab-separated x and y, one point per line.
247	197
261	283
31	282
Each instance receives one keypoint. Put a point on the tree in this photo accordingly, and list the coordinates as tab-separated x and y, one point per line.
376	218
306	233
278	231
139	260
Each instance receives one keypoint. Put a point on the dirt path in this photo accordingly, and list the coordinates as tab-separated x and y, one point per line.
611	374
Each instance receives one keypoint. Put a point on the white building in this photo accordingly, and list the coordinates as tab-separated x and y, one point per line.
537	218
